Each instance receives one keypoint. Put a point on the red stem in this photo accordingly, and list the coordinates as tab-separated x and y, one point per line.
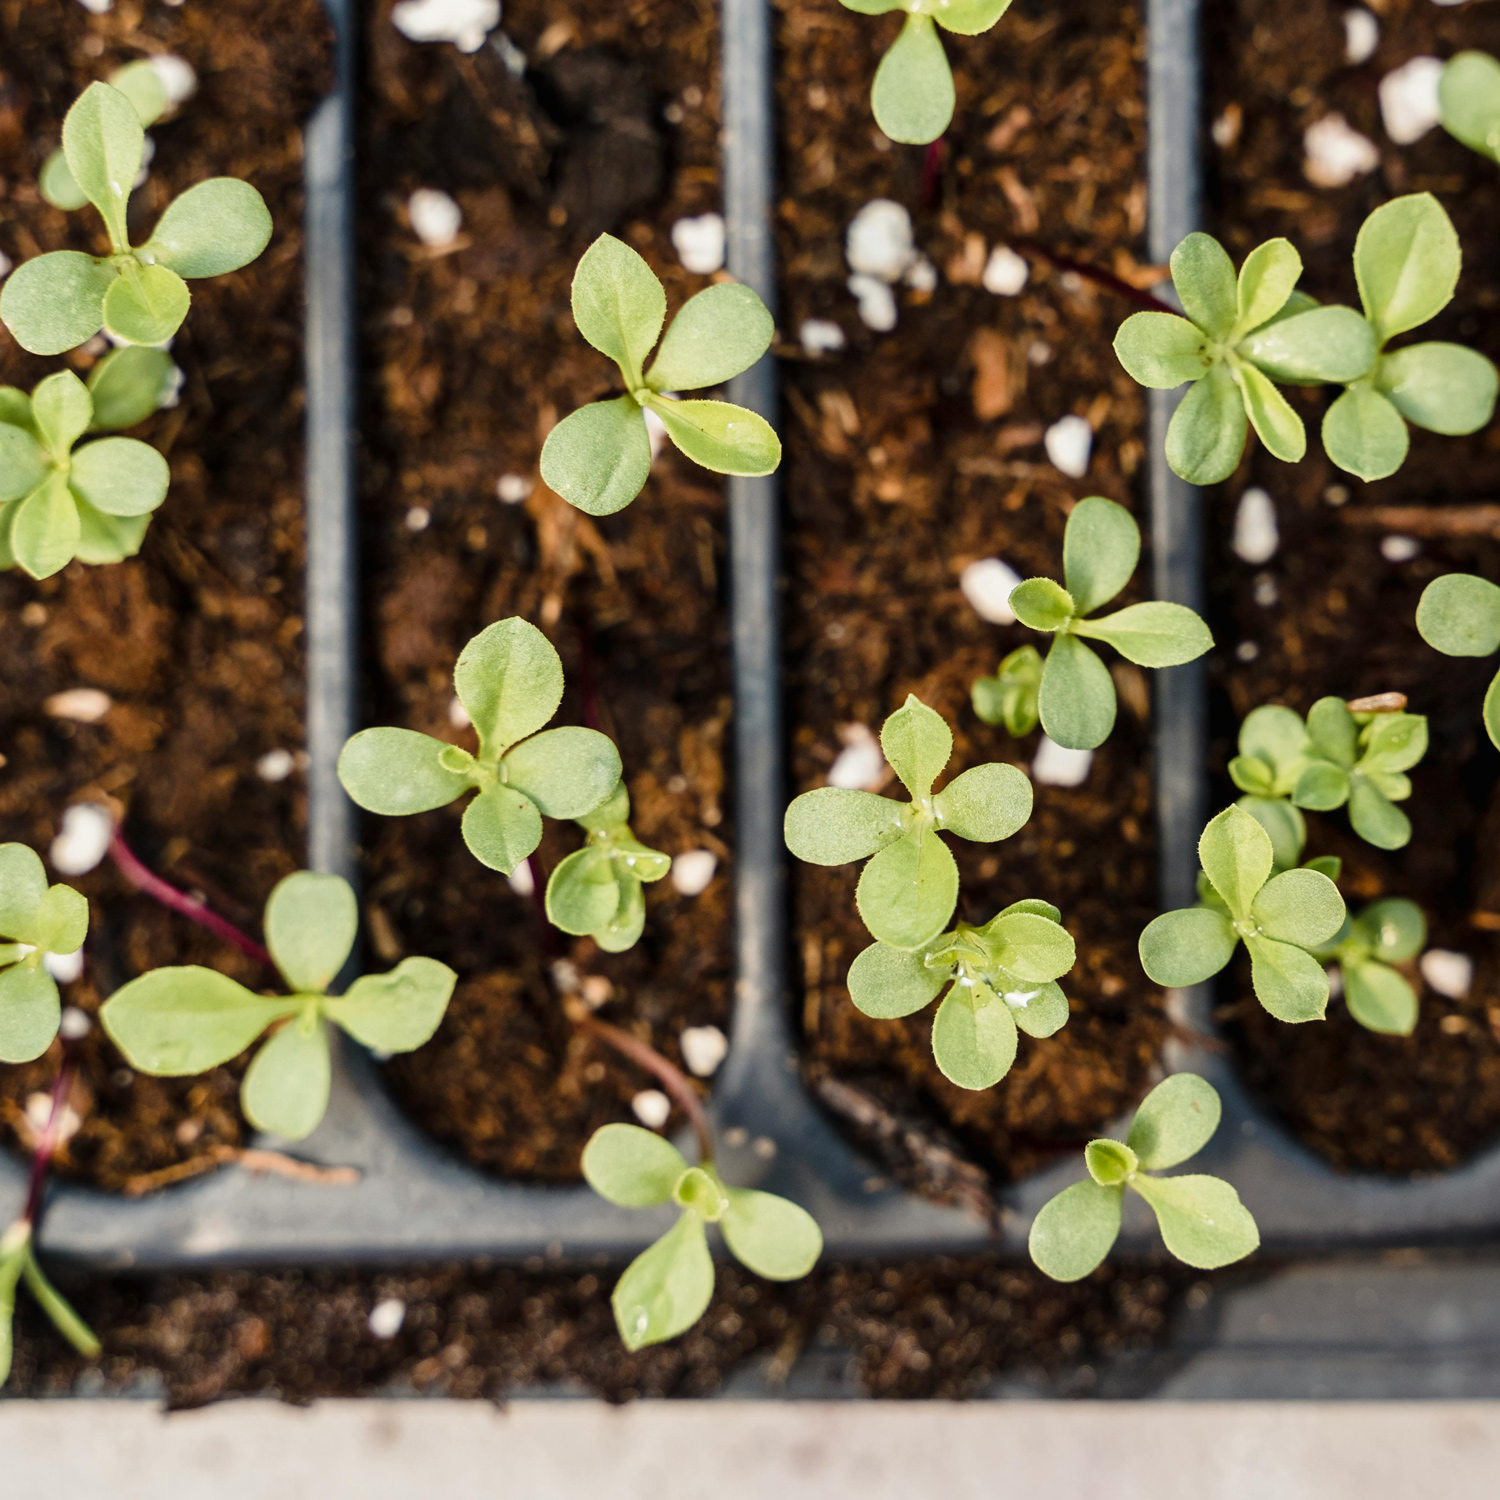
47	1142
932	173
1096	274
672	1079
174	900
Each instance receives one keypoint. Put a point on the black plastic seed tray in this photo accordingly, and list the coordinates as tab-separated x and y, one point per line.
414	1201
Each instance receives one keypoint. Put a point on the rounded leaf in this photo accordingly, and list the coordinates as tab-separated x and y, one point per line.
1267	277
1275	423
618	304
1364	434
1322	786
722	438
1077	698
311	922
285	1092
215	227
717	334
1154	634
1299	906
396	772
1236	855
1206	435
913	95
23	888
1491	711
985	804
1101	546
61	921
917	744
45	532
128	385
665	1289
146	304
566	772
907	892
1406	261
1288	981
1393	742
1375	818
1469	96
599	457
632	1167
1074	1232
61	411
1202	1220
103	142
1380	999
1442	387
1323	344
1042	604
774	1237
1182	948
974	1037
395	1012
502	827
1176	1120
510	682
583	893
1161	350
1204	278
835	826
888	983
141	84
629	920
120	476
1032	947
1395	929
30	1012
970	17
108	539
1459	615
56	184
55	302
1275	735
1044	1014
1284	823
23	464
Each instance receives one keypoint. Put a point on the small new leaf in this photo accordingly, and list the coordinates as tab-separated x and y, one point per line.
35	919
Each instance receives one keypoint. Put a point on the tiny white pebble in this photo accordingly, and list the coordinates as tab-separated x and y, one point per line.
83	840
5	264
596	990
1038	352
877	303
1447	972
387	1317
98	7
703	1049
656	431
879	241
64	967
1361	36
1264	590
820	336
75	1025
458	715
692	871
1069	441
987	585
1399	549
921	275
860	765
1335	981
1336	152
565	978
513	488
1409	99
39	1114
1055	765
171	391
82	705
178	79
764	1147
1247	651
418	518
462	22
521	880
510	54
699	243
1226	128
435	217
652	1108
275	765
1005	272
1256	535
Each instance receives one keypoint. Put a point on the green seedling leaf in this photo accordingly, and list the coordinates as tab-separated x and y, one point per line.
1266	280
1030	946
23	888
55	182
1333	732
1044	1014
629	921
510	682
1459	615
618	304
1204	278
888	983
913	94
1275	423
311	923
61	921
1290	983
1202	1220
23	465
1182	948
566	772
1321	787
1108	1162
1176	1120
1101	547
1469	97
1155	634
1009	698
1042	604
1441	387
1206	435
141	84
1285	825
583	893
1299	906
395	1012
974	1037
985	804
775	1238
665	1289
1236	855
719	437
55	302
285	1091
128	385
917	744
30	1012
1374	818
103	142
502	827
45	532
908	890
599	458
61	411
717	334
399	771
1406	261
1162	351
1364	434
120	476
1309	348
146	304
1394	930
213	228
1077	697
632	1167
1075	1231
835	826
969	17
1379	998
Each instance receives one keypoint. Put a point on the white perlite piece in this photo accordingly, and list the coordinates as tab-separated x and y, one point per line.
98	7
39	1116
656	431
1256	535
513	489
1005	272
386	1318
82	705
879	241
275	765
699	243
87	828
1447	972
652	1108
877	303
1361	36
1056	766
921	275
860	765
5	264
1409	99
75	1024
435	218
820	336
418	518
703	1049
1068	442
465	23
692	871
1337	153
521	880
458	715
177	77
64	967
987	585
1399	549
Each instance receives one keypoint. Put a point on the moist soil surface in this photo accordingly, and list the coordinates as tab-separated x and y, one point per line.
197	641
914	452
1333	611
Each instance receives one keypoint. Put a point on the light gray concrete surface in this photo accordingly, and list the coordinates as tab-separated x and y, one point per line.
583	1450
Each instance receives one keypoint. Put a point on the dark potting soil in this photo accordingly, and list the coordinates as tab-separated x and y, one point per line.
471	356
197	642
912	453
937	1328
1338	614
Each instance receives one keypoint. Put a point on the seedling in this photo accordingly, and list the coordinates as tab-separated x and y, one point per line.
1469	97
1241	337
596	892
666	1288
179	1021
1366	949
141	84
1076	696
94	503
1339	756
599	457
913	95
139	294
1009	698
18	1263
1201	1218
1459	615
1280	918
909	889
39	920
999	977
510	682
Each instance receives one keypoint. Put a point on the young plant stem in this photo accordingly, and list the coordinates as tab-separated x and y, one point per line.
932	173
679	1089
1096	274
47	1142
179	901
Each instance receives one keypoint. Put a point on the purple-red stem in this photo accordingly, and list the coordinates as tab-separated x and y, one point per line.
1096	274
169	896
47	1142
932	173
